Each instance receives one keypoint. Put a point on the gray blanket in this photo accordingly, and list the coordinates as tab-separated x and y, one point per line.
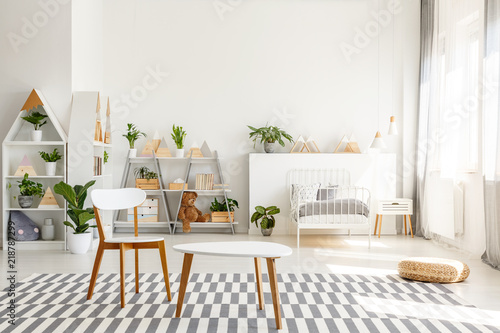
336	206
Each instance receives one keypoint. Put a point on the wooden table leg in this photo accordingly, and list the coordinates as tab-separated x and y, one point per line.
380	226
376	224
273	280
411	229
406	232
122	274
186	267
136	271
258	278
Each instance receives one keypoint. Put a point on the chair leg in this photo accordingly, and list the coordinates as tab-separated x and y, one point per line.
411	228
376	224
163	258
136	271
95	270
122	274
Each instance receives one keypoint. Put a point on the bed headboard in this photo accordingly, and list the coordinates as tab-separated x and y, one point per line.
324	176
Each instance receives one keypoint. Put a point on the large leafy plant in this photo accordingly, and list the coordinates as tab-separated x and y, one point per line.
75	196
269	134
133	134
52	157
222	206
29	188
178	135
36	118
144	173
265	215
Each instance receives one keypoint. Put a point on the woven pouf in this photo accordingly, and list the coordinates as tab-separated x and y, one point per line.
433	270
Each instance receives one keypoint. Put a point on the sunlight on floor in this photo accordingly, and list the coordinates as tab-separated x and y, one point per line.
462	314
341	269
358	255
365	243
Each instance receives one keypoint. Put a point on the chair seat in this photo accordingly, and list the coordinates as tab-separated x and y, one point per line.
133	239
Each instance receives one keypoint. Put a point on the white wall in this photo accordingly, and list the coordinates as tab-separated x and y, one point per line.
232	64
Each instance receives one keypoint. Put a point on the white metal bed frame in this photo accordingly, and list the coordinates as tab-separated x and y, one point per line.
331	219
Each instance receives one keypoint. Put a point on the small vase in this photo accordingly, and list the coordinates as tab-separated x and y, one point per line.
50	168
269	147
132	153
266	232
179	152
36	135
79	243
48	230
25	201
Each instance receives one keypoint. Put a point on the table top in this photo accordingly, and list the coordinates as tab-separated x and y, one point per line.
236	249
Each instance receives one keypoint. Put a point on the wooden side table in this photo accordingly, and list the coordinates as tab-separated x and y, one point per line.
397	206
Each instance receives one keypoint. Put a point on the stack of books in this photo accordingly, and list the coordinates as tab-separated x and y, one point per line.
204	181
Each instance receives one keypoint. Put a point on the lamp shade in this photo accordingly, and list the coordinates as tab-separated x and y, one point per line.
378	142
393	128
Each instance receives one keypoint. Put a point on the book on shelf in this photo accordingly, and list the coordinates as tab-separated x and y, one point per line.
204	181
97	166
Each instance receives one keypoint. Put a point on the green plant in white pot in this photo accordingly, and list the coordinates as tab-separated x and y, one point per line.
269	135
178	135
50	161
79	237
36	119
267	221
133	134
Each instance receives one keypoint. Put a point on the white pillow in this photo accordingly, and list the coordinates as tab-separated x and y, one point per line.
304	193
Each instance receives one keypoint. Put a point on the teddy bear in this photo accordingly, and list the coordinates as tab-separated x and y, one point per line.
189	213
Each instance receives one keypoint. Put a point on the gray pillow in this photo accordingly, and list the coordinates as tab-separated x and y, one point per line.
327	193
24	228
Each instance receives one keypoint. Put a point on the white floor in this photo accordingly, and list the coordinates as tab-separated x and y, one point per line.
325	254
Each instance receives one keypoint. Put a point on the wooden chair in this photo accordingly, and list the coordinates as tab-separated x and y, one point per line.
123	199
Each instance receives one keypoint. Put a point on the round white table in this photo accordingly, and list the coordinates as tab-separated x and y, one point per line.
256	250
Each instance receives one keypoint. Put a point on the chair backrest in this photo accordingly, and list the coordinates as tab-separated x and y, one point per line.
116	199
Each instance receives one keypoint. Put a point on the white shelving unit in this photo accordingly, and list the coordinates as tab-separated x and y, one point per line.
169	221
17	144
82	146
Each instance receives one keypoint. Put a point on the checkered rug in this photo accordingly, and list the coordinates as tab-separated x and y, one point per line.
228	303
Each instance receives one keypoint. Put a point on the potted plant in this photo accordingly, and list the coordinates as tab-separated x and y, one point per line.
219	210
269	135
36	119
133	134
27	190
178	135
50	161
146	179
265	215
79	238
105	159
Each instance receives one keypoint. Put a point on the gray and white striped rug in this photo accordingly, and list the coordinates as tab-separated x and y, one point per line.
228	303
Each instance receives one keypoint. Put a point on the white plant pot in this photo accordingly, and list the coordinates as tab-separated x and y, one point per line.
36	135
132	153
50	168
79	243
179	152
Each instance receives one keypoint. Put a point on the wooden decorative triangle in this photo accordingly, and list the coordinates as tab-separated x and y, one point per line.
311	145
107	133
299	143
33	101
194	151
148	150
156	141
343	141
25	167
163	150
48	200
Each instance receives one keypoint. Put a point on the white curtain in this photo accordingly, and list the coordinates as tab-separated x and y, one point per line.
448	128
492	134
